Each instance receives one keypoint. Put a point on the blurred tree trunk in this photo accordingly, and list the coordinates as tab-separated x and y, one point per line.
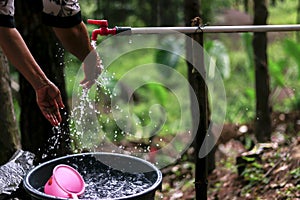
9	139
262	82
38	136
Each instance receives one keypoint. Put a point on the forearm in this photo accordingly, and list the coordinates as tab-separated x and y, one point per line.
19	55
75	40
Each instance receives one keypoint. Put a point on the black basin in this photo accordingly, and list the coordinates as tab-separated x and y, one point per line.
38	176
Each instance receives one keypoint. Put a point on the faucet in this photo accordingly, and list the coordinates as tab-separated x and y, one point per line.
104	30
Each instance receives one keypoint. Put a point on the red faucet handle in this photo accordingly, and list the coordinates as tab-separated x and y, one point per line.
101	23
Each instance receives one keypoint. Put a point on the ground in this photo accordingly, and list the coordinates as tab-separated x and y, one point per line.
269	171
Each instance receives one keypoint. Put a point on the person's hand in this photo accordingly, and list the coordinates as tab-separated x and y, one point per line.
49	101
92	68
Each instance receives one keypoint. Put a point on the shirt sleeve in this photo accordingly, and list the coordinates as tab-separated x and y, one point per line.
61	13
7	11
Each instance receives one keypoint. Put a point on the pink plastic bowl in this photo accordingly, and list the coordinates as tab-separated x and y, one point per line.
65	182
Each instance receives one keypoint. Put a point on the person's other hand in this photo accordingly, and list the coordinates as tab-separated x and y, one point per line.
92	68
49	101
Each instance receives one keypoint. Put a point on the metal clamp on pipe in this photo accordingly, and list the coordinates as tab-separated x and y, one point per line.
104	30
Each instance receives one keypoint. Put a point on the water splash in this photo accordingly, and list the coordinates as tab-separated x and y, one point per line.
94	44
53	142
82	119
104	182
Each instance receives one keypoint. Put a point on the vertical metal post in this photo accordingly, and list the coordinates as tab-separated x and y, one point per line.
197	80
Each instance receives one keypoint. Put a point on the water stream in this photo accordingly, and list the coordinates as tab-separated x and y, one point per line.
101	180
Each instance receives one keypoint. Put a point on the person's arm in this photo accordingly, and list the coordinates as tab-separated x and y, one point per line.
48	95
76	41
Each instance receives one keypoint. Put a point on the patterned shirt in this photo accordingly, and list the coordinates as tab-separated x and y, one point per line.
57	13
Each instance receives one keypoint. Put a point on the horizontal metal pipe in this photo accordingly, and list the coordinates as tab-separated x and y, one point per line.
217	29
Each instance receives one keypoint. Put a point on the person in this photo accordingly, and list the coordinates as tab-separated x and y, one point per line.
64	17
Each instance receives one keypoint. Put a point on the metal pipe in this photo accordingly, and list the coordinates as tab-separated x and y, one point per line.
216	29
104	30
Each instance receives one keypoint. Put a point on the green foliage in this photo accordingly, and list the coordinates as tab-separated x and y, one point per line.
292	49
247	44
283	13
295	173
153	107
218	54
236	64
157	109
159	92
210	7
248	142
276	72
285	71
240	90
169	53
88	8
254	174
229	164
